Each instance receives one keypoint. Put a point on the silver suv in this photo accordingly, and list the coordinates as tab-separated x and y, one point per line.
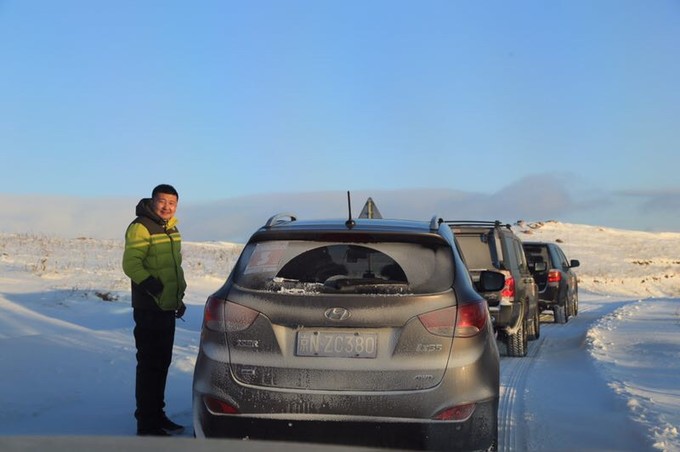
366	332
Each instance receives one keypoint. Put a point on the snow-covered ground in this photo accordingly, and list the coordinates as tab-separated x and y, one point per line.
608	379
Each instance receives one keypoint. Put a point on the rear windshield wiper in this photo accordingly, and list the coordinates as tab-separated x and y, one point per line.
341	282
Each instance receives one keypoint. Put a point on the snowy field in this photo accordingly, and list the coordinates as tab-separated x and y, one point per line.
608	379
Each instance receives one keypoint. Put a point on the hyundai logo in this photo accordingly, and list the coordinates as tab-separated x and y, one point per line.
336	314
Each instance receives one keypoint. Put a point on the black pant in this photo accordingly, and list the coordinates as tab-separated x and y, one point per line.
154	338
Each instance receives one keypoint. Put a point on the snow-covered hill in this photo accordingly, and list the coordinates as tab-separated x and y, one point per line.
615	261
93	267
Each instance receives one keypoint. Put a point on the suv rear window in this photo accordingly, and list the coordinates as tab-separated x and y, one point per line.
323	267
537	253
478	254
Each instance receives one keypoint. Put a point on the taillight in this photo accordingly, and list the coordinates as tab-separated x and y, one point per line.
218	406
441	322
466	320
458	413
508	291
225	316
554	276
213	314
471	319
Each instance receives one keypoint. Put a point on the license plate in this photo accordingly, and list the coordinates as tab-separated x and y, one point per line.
337	345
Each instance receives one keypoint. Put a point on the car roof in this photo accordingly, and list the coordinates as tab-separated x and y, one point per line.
288	226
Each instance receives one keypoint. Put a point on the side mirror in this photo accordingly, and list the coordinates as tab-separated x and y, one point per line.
574	263
491	281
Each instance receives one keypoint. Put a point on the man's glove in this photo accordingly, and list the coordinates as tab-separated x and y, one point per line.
152	286
179	313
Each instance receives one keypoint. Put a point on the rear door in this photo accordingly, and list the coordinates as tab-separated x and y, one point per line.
344	316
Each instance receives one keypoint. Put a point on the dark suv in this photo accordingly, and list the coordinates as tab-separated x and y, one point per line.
363	332
490	245
557	283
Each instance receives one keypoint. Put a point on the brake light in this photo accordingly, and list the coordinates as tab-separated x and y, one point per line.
225	316
554	276
458	413
217	406
466	320
471	319
508	291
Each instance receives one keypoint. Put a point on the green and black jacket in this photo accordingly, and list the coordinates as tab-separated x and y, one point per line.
153	260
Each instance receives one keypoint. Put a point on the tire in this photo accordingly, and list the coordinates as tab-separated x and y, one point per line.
569	309
560	313
575	304
517	344
534	331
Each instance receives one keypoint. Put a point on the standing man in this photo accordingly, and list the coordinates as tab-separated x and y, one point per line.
153	261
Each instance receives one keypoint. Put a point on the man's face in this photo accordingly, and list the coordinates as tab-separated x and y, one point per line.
164	205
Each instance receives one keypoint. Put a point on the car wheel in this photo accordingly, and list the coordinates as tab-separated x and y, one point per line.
568	308
517	343
560	314
575	304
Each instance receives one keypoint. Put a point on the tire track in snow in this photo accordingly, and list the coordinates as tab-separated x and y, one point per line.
511	425
513	430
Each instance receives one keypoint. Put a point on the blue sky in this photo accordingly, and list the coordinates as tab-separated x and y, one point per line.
490	101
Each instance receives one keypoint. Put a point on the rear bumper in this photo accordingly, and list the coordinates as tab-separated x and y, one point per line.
476	382
549	297
399	418
479	432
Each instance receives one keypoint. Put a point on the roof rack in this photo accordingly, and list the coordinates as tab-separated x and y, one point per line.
278	219
495	223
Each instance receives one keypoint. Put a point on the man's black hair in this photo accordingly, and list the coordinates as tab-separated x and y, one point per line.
164	188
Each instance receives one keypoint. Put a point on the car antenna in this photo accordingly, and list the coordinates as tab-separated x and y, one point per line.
349	223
